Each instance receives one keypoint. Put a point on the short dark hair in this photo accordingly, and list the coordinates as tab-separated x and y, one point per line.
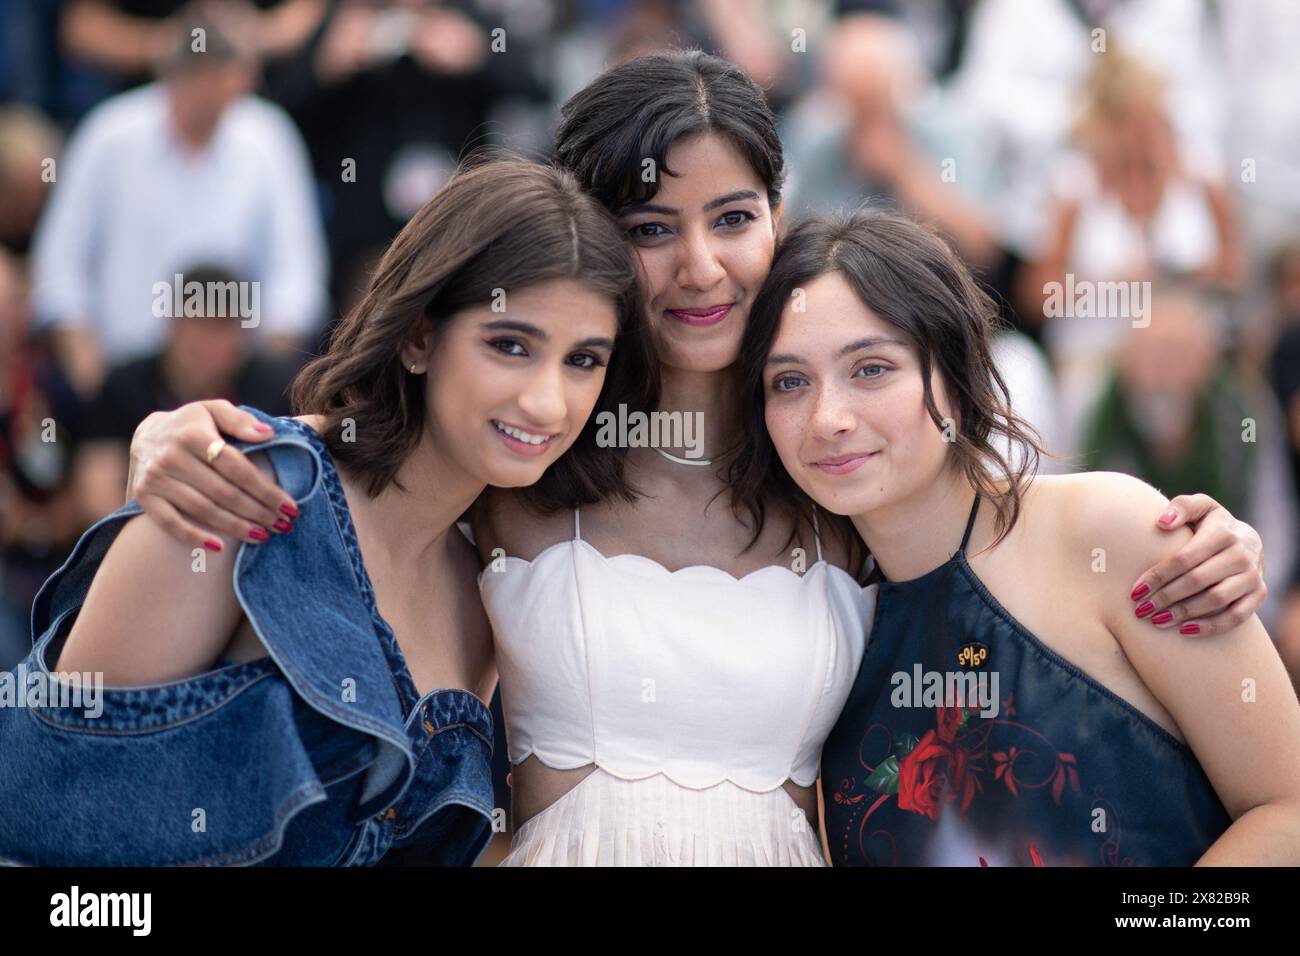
909	277
639	109
500	222
209	274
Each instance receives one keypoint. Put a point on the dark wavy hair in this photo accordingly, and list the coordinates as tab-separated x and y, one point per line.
911	279
639	109
500	222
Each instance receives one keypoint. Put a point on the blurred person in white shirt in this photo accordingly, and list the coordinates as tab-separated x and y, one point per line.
1134	204
190	167
1023	61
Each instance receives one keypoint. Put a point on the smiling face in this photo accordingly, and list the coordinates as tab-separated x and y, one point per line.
704	243
509	392
845	404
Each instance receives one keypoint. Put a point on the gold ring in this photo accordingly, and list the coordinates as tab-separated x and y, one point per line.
214	449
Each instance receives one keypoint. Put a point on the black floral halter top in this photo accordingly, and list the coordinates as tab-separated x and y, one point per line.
968	742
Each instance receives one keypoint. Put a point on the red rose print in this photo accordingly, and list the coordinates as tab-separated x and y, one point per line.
933	774
949	721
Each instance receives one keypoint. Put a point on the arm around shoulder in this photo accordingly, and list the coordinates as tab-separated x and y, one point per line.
1229	693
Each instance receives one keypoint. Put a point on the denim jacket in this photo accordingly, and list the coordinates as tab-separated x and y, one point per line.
320	754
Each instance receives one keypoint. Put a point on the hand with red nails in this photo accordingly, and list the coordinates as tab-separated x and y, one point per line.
1213	583
193	501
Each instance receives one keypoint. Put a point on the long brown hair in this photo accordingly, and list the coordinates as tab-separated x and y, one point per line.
911	279
500	222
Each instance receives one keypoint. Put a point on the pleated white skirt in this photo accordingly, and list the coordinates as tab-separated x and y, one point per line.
608	821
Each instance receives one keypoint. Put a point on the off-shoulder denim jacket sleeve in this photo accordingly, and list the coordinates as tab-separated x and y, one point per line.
212	769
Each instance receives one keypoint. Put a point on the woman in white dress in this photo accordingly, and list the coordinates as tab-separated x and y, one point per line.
669	667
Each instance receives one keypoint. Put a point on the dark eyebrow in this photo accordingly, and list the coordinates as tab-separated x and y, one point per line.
527	328
737	196
514	325
871	341
596	341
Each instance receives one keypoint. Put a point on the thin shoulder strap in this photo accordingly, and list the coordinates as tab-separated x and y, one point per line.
817	532
577	526
970	522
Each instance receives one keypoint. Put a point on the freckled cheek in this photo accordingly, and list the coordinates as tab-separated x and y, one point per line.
785	426
888	417
905	403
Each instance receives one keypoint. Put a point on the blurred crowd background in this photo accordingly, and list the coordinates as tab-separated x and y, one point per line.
1070	141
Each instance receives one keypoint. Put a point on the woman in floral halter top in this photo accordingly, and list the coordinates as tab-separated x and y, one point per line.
1009	709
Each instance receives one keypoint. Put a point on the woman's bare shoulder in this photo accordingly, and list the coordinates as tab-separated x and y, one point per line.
1100	518
1056	503
503	519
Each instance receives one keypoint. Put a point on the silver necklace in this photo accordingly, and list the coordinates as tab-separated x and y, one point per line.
684	461
693	461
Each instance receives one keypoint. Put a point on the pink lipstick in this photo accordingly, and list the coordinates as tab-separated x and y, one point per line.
843	464
702	317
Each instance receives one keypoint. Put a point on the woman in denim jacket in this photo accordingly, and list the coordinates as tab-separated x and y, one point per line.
312	701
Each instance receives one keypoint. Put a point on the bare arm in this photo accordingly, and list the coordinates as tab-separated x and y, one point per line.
1229	694
78	351
151	615
1229	266
157	610
95	31
929	198
741	29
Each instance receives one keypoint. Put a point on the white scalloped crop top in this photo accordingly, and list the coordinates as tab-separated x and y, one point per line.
695	674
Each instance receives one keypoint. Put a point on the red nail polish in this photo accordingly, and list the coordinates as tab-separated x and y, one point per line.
1139	592
1145	608
263	428
1168	516
282	526
289	510
212	544
258	534
1164	617
1190	629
